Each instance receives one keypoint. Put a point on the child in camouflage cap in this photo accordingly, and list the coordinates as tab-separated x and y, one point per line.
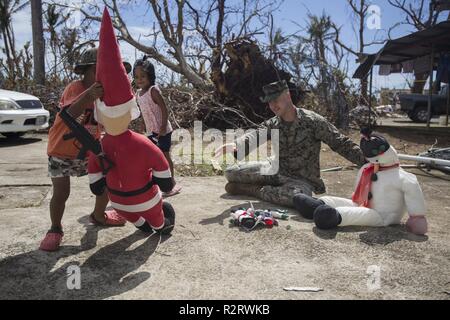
78	96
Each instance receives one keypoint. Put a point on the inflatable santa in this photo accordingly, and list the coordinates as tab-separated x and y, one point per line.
384	193
138	170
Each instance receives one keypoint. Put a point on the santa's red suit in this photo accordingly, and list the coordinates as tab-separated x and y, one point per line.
139	170
133	182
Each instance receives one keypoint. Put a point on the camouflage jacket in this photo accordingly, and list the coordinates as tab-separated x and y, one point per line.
300	145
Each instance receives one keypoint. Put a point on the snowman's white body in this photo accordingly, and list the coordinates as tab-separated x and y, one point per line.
395	193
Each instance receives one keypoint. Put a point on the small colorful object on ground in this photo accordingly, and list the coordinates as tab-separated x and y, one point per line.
249	219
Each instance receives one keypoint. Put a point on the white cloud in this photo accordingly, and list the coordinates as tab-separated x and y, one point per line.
138	30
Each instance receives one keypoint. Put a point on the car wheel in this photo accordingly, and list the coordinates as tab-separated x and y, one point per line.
13	135
420	114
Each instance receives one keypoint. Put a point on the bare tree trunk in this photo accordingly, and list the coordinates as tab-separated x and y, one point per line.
9	59
38	42
324	78
362	16
364	91
216	68
13	64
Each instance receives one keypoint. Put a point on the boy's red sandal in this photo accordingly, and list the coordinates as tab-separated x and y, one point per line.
52	241
112	219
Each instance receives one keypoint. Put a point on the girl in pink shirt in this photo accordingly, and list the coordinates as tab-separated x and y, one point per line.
154	111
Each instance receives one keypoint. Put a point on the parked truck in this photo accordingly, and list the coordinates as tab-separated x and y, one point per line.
416	105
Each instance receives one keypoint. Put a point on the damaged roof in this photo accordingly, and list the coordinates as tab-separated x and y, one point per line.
410	47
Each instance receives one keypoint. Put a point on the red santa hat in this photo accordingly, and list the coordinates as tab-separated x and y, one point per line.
118	98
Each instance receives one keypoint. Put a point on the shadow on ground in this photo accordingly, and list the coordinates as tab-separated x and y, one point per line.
4	142
225	215
373	236
106	273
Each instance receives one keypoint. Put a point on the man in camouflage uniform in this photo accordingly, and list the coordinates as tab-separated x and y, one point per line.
300	134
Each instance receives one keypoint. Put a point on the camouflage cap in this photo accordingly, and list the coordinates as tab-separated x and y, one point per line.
89	58
274	90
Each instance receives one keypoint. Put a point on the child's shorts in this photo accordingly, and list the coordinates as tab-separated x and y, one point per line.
164	143
59	168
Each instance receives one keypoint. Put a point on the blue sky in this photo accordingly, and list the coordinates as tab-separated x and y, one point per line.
291	12
341	14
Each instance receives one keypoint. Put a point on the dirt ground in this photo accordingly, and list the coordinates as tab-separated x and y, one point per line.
205	258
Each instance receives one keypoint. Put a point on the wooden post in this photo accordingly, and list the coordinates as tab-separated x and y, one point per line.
430	94
370	97
448	101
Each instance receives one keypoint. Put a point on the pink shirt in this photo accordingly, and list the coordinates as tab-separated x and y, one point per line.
151	112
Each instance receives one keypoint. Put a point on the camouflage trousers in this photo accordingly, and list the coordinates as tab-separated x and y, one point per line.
60	168
276	189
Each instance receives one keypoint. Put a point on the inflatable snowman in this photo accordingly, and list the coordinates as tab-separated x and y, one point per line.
384	193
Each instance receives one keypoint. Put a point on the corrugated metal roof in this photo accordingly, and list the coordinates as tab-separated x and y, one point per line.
410	47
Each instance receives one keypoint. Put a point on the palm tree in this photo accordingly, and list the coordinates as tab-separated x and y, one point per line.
7	9
320	31
38	42
54	19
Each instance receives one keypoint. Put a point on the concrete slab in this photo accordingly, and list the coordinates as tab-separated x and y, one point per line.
205	258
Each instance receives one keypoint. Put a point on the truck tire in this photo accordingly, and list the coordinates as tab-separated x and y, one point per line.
419	114
13	135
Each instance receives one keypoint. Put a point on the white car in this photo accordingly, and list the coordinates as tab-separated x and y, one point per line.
20	113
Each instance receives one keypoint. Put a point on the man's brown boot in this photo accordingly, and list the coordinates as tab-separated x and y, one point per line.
242	189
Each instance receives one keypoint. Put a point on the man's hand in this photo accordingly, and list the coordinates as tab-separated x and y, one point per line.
95	91
226	148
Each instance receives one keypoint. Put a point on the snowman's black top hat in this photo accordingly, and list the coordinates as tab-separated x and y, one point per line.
373	145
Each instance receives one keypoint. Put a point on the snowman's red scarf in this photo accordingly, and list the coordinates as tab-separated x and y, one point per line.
361	194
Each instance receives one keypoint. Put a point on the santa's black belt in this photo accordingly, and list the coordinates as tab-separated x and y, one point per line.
132	193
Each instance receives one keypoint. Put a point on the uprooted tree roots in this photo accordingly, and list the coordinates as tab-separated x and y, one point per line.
235	99
246	72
